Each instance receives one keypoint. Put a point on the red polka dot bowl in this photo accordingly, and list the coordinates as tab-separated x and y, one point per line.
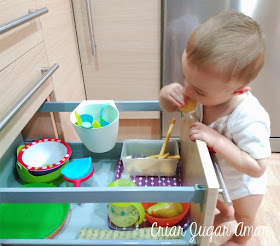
43	156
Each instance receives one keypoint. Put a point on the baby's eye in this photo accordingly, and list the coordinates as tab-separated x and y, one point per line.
199	93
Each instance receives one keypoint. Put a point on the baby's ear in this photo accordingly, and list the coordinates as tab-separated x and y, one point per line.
242	90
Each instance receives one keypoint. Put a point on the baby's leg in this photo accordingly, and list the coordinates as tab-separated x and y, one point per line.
245	213
226	214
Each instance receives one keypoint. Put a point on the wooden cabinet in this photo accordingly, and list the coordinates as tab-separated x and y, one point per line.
16	80
20	40
126	65
22	54
40	42
61	46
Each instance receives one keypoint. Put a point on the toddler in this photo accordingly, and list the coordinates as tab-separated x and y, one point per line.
221	58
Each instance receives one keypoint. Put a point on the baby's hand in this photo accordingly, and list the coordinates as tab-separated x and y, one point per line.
174	94
199	131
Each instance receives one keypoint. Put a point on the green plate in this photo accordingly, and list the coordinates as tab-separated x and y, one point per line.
32	220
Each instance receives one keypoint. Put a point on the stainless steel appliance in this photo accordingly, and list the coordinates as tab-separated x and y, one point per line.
181	17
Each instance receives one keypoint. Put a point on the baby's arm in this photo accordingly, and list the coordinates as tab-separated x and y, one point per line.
225	148
239	159
171	97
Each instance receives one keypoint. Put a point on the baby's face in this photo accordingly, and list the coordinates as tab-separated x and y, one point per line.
205	87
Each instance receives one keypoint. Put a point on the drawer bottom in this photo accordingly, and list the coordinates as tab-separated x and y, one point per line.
93	215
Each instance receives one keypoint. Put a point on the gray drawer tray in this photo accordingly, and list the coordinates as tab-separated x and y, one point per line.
93	195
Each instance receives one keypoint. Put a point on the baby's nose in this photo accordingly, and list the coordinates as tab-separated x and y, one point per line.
188	93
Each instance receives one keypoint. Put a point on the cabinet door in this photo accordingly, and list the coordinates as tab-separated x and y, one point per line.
126	65
61	45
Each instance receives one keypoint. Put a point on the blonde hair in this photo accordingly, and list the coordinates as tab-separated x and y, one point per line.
231	42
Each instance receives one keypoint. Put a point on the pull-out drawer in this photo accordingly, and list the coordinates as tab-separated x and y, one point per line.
200	188
16	81
18	40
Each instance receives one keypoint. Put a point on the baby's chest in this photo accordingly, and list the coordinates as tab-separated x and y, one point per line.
220	124
216	119
210	116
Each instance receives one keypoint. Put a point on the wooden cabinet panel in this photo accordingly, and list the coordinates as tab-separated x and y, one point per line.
127	61
16	80
139	129
17	41
61	45
198	169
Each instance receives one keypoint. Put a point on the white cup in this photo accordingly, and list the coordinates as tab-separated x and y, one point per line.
103	139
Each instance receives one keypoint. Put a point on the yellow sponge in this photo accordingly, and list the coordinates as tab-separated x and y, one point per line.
190	106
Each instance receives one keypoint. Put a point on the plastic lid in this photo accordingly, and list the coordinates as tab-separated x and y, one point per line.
78	169
124	181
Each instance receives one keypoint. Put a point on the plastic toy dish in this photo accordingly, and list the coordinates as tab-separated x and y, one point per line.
44	156
165	221
54	178
87	118
78	171
32	220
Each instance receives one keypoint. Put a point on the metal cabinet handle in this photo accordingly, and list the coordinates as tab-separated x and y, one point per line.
21	103
224	190
90	27
14	23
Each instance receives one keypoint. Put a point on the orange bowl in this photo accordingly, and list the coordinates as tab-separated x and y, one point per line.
165	221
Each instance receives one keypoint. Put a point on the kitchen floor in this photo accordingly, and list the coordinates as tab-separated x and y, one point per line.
269	212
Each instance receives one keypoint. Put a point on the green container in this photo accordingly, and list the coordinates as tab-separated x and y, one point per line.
125	214
54	177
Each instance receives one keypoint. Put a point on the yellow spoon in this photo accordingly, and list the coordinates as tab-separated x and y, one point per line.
79	119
